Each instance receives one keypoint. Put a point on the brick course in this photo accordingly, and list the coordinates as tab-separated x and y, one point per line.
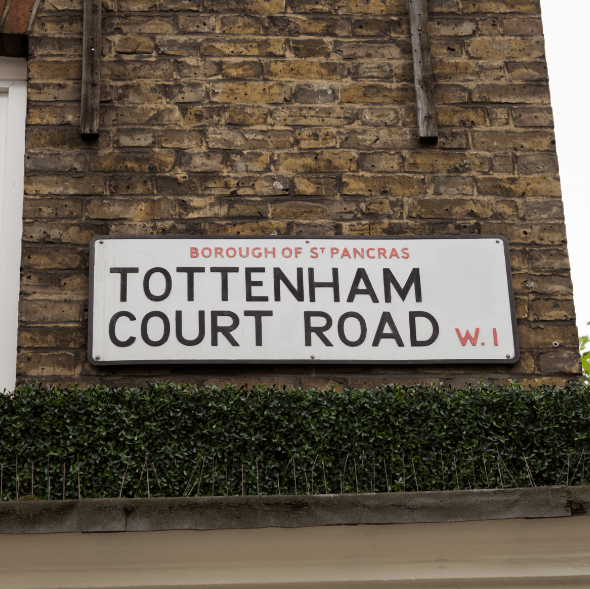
245	117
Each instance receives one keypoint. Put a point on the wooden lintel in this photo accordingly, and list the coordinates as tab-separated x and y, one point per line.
423	72
89	115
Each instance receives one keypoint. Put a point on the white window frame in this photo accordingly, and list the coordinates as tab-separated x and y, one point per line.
13	80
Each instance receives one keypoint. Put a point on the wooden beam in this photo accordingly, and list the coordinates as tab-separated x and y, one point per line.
423	72
91	68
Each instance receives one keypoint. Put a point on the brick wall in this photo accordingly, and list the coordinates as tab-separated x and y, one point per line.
244	117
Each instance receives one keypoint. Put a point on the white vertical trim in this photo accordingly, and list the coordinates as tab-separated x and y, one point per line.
12	79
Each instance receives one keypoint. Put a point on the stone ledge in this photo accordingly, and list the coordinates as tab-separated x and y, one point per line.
289	511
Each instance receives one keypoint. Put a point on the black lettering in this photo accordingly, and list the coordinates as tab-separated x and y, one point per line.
225	330
258	315
342	335
113	326
146	284
190	342
387	321
190	280
435	330
414	278
333	285
319	330
361	274
144	329
250	283
279	277
123	272
224	281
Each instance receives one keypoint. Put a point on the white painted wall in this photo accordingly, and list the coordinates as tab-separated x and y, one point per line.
13	108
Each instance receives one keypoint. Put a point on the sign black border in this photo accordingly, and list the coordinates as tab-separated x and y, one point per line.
310	361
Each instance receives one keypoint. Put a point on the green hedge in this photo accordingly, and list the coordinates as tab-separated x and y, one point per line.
262	439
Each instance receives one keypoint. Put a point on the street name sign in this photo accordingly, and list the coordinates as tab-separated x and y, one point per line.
287	299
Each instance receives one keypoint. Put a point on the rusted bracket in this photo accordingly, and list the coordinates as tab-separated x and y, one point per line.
89	115
423	72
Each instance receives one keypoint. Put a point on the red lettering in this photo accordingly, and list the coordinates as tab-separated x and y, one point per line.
468	336
334	252
381	252
393	254
345	253
194	252
206	249
314	252
361	253
267	251
287	252
254	250
370	249
247	253
219	252
495	337
233	249
298	251
405	253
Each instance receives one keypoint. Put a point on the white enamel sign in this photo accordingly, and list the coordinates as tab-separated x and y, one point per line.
401	300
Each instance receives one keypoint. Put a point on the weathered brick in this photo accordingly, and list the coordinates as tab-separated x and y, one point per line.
452	27
451	163
300	69
443	208
202	161
202	115
537	163
138	69
541	284
511	93
258	209
254	47
315	94
49	161
41	311
315	185
140	209
140	115
52	337
53	115
376	7
52	257
381	161
228	138
239	25
265	227
310	5
156	160
46	184
502	6
134	138
371	27
304	116
298	210
371	69
542	209
560	361
184	138
379	138
331	160
138	25
543	335
193	23
548	259
363	93
56	70
249	92
134	44
454	185
316	138
553	309
378	116
175	45
503	163
258	185
240	69
532	117
130	185
48	232
41	364
523	26
372	49
48	208
516	140
521	71
246	115
253	6
392	185
249	162
525	233
505	48
520	186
